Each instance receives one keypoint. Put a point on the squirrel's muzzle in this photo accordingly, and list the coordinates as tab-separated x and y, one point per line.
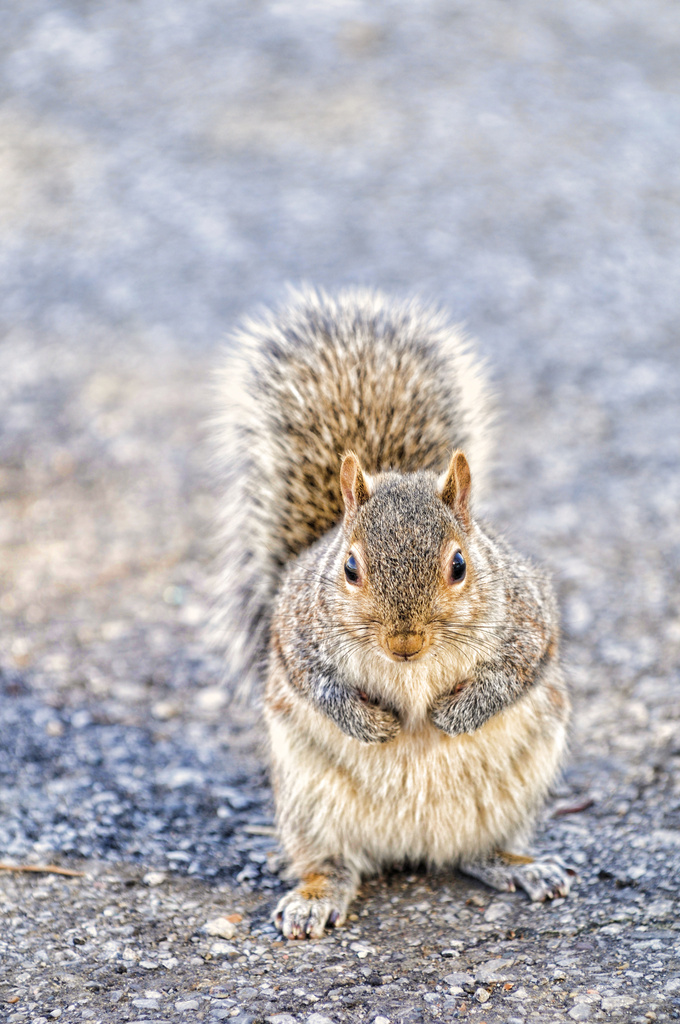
405	645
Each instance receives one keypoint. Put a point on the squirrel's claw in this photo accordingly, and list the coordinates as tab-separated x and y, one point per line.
305	919
543	878
320	901
546	878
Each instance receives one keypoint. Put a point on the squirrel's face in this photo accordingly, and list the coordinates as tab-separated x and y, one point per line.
407	572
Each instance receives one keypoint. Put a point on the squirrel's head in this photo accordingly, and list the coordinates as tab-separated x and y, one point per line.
407	566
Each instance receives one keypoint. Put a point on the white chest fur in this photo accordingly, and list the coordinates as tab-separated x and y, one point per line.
425	796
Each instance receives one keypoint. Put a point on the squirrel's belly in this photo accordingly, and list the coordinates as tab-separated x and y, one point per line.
425	796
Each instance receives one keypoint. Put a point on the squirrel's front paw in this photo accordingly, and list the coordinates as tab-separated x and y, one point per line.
454	714
473	702
354	713
378	724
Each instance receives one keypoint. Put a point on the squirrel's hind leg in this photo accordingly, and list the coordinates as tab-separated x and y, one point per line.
322	898
542	878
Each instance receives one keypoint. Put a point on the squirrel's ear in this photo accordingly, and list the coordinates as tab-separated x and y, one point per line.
354	483
454	487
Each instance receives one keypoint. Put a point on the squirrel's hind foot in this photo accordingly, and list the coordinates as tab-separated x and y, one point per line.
542	878
319	900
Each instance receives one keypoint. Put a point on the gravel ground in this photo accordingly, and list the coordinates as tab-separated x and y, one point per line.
163	168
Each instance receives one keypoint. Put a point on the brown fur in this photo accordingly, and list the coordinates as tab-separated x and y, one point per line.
314	887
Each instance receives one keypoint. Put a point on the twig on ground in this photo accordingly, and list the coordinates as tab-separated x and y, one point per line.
43	869
573	808
260	830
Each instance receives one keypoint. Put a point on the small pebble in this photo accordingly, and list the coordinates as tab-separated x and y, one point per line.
493	970
617	1002
153	878
459	979
224	949
496	911
220	927
360	949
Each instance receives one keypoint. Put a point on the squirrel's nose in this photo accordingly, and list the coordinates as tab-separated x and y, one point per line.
405	645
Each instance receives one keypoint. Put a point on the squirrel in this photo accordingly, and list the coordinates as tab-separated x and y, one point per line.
413	695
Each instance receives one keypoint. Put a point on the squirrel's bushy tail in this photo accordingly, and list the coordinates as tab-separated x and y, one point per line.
392	380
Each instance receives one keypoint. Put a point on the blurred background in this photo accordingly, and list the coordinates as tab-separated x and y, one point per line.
166	167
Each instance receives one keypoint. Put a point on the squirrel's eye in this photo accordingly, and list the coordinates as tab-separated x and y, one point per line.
458	568
352	570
